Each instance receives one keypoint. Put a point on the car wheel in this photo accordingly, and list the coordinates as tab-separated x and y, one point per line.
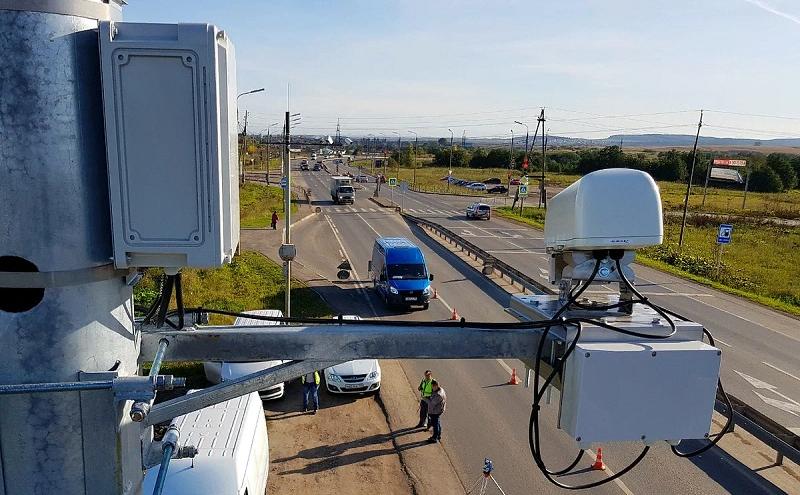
426	305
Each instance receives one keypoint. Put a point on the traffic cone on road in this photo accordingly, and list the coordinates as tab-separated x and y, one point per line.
455	316
598	461
514	379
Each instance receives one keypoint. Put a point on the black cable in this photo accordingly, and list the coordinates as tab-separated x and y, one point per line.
179	299
725	429
156	302
166	296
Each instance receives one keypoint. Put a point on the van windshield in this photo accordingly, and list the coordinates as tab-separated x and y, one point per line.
406	271
346	189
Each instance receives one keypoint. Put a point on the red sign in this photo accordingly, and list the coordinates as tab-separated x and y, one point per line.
724	162
525	162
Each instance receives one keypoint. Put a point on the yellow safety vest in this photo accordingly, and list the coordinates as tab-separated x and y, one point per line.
426	387
316	378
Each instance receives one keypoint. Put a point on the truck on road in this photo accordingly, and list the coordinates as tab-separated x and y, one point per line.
342	190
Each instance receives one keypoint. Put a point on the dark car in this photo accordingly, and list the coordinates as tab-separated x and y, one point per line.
493	180
498	190
514	181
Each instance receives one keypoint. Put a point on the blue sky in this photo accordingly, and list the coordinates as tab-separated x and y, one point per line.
599	67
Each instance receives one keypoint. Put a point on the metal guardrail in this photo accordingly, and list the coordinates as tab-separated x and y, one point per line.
775	436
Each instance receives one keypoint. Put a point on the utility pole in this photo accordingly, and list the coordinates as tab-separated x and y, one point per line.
542	187
689	184
511	156
287	212
450	168
464	139
244	149
414	182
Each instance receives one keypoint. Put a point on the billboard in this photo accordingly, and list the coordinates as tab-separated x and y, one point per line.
726	174
724	162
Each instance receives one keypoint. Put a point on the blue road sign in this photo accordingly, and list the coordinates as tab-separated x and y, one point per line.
284	182
724	233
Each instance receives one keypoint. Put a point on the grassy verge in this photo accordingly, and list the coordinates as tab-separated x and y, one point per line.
759	265
251	281
257	202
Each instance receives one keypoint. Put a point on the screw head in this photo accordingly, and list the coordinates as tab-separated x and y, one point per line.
653	353
588	354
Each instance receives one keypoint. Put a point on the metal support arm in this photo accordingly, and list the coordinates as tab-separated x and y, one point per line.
342	343
233	388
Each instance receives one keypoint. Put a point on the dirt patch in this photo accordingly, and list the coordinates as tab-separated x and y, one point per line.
345	448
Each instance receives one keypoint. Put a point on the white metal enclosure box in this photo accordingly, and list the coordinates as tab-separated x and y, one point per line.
616	208
646	391
169	98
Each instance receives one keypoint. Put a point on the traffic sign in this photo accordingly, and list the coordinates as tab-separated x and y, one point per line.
523	190
724	233
392	181
284	182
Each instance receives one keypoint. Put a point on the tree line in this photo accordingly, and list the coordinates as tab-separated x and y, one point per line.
774	172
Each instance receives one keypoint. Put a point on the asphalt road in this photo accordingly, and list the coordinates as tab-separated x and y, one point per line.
485	417
760	346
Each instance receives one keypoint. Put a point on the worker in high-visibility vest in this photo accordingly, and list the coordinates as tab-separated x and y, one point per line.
425	389
310	383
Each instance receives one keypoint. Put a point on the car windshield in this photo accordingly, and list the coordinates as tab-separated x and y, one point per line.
346	189
483	207
406	271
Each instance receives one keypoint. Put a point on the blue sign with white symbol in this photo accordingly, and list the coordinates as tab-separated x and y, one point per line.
284	182
724	233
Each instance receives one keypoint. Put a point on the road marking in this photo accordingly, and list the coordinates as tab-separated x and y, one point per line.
368	225
358	284
791	406
717	340
778	369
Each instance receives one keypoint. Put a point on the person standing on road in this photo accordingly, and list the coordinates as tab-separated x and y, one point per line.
310	383
437	403
425	391
274	220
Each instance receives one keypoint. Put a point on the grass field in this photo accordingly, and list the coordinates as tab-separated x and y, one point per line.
256	203
759	264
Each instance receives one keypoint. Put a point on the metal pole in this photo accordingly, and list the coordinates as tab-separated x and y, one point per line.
139	409
451	160
689	184
543	194
287	207
705	186
53	172
746	185
511	158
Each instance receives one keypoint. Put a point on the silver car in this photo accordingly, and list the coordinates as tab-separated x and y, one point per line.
479	210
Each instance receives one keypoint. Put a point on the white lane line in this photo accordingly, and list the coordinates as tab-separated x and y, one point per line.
776	368
368	225
372	210
359	286
716	340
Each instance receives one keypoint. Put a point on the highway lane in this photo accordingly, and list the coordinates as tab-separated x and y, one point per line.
761	346
485	417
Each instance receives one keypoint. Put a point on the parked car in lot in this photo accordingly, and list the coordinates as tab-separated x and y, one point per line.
399	273
353	377
493	180
498	190
477	186
479	210
514	181
222	372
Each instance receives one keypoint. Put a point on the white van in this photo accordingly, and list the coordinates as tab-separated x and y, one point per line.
233	451
221	372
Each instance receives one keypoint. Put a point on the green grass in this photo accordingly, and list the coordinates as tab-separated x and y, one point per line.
729	201
256	203
760	264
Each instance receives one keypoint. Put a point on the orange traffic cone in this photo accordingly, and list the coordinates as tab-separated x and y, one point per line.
455	316
514	379
598	461
435	295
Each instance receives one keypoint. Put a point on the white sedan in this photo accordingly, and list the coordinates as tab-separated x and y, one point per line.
353	377
477	186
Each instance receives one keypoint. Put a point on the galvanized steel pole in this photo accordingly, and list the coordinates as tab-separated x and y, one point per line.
53	172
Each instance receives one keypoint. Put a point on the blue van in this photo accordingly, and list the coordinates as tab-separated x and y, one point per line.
399	273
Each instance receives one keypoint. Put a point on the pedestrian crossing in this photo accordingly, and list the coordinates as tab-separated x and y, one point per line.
413	211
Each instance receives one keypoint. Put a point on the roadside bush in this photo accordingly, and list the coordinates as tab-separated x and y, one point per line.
765	179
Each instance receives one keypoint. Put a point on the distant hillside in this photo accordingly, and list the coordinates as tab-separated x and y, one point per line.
663	140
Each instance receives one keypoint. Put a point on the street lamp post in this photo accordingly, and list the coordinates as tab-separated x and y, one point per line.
414	168
399	146
244	132
269	142
450	168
